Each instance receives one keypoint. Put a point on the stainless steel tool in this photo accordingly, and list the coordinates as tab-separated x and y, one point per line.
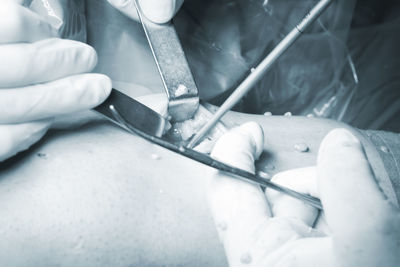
135	113
261	69
181	89
141	120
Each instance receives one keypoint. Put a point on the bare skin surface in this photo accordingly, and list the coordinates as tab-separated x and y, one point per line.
99	196
283	134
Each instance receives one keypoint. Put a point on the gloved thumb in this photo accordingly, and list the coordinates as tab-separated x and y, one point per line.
345	180
158	11
356	210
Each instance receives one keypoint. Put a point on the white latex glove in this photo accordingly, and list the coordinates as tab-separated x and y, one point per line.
362	227
40	77
158	11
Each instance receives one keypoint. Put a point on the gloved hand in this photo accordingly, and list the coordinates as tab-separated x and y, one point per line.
40	77
158	11
359	227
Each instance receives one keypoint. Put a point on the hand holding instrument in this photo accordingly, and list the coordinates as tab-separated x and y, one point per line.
138	119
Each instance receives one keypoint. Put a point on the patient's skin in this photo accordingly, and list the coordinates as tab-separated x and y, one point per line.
99	196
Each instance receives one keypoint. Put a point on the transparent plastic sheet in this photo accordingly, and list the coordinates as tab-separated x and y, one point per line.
123	52
375	49
67	16
224	39
316	76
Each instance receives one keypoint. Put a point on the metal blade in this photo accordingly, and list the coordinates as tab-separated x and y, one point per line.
134	112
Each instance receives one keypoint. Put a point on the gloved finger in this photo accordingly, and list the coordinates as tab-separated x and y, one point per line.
157	102
302	180
126	7
238	207
302	253
346	182
44	61
19	24
67	95
18	137
76	119
362	220
158	11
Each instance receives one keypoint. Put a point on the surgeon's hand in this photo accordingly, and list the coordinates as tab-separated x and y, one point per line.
158	11
359	227
41	77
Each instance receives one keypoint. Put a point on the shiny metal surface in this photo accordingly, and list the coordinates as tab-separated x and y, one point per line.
209	161
181	89
135	113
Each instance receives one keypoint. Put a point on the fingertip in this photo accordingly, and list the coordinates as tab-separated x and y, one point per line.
340	156
103	87
240	146
119	3
346	182
336	138
88	55
90	90
71	94
92	54
159	11
126	7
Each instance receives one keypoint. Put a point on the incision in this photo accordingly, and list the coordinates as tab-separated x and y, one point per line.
181	132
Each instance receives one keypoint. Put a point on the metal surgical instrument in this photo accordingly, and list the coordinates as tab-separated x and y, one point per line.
114	110
257	73
181	89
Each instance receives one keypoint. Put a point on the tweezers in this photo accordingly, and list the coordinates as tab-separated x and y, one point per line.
209	161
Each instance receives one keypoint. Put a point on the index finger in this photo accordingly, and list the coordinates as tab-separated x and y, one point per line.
238	208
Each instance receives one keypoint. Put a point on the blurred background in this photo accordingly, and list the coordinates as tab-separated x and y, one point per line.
345	67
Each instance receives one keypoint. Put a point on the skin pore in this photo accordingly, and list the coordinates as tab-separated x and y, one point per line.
100	196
